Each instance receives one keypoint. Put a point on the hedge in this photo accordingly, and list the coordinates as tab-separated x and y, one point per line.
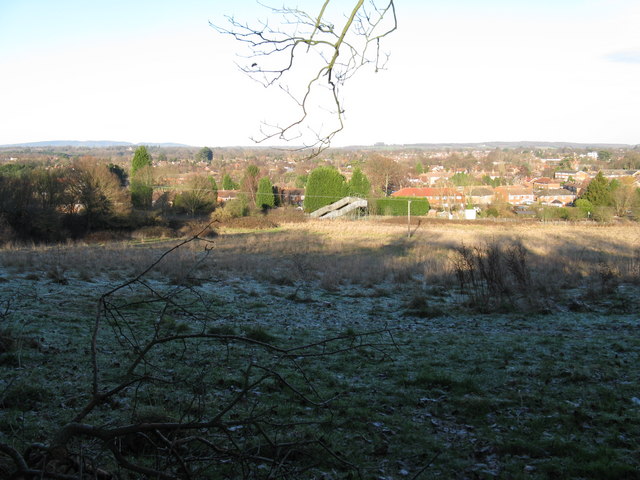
398	206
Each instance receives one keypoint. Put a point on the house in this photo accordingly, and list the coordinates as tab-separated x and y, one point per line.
550	162
515	195
481	196
163	197
290	196
438	197
226	195
617	173
558	197
574	187
564	175
434	177
544	183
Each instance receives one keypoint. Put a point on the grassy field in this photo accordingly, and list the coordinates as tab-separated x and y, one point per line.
466	350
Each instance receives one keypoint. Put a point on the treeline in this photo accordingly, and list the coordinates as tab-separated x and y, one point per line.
54	204
50	204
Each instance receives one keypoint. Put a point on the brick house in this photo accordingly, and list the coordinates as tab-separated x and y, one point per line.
558	197
544	183
515	195
481	196
226	195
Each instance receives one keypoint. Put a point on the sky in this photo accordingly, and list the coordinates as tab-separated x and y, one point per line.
464	71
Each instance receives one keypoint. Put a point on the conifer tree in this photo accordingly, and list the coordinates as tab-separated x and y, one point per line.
228	183
264	196
598	192
141	178
359	185
141	159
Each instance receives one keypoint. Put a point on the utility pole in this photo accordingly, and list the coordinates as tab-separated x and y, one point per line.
408	218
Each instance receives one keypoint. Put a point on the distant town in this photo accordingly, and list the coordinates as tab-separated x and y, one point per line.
547	181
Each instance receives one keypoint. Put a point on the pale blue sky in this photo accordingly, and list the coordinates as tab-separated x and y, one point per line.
464	71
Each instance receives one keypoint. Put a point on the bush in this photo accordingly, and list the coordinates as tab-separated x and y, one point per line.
551	213
602	214
398	205
200	196
491	212
584	206
236	208
141	195
573	214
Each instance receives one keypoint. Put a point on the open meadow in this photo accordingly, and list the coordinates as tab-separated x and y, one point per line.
327	350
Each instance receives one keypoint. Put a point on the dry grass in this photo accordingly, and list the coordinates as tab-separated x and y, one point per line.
560	256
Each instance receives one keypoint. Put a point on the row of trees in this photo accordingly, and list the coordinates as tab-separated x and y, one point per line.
201	191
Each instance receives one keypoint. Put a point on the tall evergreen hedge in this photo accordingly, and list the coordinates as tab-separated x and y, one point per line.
398	205
324	186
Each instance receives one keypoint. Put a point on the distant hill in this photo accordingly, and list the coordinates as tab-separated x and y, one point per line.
521	144
378	146
91	144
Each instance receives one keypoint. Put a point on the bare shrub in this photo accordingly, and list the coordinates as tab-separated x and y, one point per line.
57	274
7	234
419	306
517	264
608	276
8	339
495	277
632	267
330	279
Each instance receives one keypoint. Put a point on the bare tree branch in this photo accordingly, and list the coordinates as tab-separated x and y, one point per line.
310	59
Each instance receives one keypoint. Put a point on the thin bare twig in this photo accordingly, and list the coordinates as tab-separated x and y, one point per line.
326	56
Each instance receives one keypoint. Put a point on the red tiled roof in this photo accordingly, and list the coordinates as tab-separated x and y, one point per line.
423	192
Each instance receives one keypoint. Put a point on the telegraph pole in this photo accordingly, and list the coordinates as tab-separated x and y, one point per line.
408	218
